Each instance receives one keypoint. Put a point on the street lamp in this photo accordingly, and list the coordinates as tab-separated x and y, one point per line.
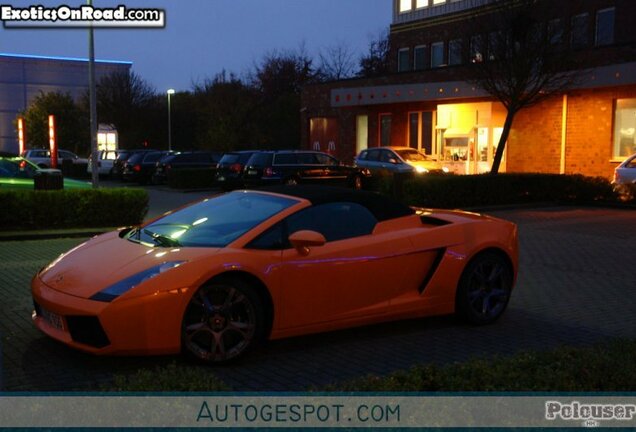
170	93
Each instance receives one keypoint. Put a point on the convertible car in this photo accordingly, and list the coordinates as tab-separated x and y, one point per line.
217	277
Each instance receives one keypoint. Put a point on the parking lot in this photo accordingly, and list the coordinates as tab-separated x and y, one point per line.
576	286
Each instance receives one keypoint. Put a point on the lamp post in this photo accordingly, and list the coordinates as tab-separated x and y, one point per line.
170	93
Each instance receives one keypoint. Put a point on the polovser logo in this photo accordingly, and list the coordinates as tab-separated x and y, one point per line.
81	16
590	415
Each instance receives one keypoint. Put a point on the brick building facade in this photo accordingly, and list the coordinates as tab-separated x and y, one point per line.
426	101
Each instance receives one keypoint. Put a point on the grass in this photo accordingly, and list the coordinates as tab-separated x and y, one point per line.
598	368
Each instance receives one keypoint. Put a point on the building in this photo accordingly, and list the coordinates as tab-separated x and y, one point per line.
23	77
426	102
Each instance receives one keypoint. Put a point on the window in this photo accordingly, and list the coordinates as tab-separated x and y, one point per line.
414	128
476	49
555	31
403	60
436	2
373	155
605	27
421	4
285	159
385	130
387	156
306	159
325	159
405	6
336	221
579	31
624	128
455	52
437	54
421	131
419	54
363	155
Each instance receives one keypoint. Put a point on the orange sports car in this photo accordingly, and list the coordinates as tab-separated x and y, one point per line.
217	277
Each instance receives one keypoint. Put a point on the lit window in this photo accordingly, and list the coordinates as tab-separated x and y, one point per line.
421	4
419	54
436	2
625	128
437	54
579	31
405	5
403	60
455	52
605	27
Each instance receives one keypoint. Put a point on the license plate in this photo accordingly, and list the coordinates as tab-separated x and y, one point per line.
53	319
252	172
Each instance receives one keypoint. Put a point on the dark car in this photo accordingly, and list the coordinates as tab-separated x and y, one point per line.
181	160
140	167
229	171
122	157
291	167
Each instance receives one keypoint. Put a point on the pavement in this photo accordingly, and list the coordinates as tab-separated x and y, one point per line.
576	287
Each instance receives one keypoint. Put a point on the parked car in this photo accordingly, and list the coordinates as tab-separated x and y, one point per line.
398	160
216	278
625	173
105	162
122	157
181	160
42	157
18	173
292	167
140	167
229	171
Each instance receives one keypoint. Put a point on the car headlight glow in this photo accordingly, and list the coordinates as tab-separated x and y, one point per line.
445	169
421	170
115	290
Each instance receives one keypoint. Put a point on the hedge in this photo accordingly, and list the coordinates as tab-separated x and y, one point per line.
191	178
454	191
603	367
86	208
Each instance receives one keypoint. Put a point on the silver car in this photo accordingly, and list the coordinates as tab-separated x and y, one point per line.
625	173
398	160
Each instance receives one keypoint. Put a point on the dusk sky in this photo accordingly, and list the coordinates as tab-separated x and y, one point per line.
202	37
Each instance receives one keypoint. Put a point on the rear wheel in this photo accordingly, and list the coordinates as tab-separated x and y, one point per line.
222	321
484	288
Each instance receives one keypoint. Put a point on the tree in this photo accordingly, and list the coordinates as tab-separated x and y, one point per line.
278	80
376	61
71	124
521	62
336	62
127	101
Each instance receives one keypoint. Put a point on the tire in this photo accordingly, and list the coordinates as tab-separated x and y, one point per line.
222	322
484	288
291	181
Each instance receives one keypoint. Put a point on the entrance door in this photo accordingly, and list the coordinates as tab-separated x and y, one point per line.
323	134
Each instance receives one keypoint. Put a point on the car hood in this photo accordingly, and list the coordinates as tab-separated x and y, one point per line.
107	259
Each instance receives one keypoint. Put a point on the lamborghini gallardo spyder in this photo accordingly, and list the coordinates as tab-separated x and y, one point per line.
217	277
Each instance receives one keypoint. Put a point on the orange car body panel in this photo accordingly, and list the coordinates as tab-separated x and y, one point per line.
382	276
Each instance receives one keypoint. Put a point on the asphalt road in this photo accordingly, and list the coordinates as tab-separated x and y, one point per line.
576	286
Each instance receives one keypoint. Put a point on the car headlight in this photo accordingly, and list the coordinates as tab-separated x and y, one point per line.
115	290
421	170
446	170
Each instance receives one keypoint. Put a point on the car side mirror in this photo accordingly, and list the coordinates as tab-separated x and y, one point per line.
303	240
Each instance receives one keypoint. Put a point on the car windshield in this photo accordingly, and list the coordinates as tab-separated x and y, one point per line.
214	222
17	167
411	155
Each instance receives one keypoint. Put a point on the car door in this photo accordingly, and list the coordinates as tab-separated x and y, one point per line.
373	161
310	169
349	277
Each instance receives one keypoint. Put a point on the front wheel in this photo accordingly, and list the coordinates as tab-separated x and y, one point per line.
222	322
484	288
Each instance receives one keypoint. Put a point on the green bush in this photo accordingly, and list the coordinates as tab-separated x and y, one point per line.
453	191
83	208
606	367
171	378
191	178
